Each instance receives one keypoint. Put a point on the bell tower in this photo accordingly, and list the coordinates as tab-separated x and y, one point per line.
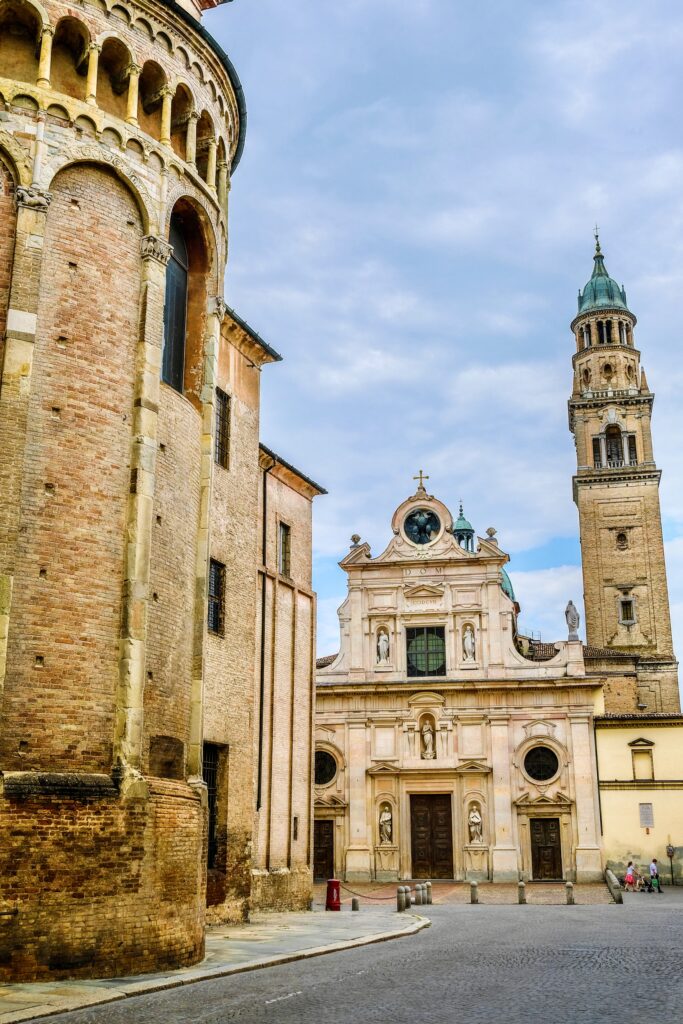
616	490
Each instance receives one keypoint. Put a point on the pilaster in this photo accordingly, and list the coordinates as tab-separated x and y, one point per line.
132	651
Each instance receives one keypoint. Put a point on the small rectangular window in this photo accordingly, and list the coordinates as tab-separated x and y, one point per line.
284	557
597	454
632	454
295	828
627	611
426	651
216	598
222	446
647	818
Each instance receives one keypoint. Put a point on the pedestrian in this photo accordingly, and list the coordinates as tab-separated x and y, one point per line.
654	875
629	877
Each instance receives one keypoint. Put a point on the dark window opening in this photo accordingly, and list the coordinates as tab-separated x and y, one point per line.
597	454
222	448
426	651
627	612
615	447
295	828
632	454
175	310
284	558
541	764
601	333
216	598
609	332
325	768
622	541
210	762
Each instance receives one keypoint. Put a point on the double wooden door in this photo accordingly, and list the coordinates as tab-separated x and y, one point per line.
431	836
323	850
546	849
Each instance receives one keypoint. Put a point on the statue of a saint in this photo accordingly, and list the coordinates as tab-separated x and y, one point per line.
383	648
474	821
428	741
385	825
468	644
573	619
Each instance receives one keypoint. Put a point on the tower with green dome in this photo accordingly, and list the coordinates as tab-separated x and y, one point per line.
616	490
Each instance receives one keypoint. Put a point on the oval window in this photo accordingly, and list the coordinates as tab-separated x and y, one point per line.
325	768
541	764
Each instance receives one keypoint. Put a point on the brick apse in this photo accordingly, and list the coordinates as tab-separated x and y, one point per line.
121	125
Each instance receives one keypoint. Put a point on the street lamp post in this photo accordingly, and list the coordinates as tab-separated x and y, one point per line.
670	851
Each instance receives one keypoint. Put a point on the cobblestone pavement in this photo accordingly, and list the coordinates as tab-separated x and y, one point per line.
270	938
546	893
603	964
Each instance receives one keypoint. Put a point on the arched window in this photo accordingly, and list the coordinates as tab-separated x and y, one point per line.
615	447
175	309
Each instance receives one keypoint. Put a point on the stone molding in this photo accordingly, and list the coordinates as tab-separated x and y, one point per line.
155	248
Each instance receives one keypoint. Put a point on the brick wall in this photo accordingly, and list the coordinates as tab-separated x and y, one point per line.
8	221
173	569
104	869
62	669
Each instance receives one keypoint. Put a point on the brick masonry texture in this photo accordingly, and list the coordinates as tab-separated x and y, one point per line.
67	609
8	221
128	869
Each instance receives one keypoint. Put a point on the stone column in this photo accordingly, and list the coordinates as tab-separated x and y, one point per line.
217	310
191	139
358	851
603	450
588	857
211	164
166	106
94	52
223	185
504	852
132	646
624	445
15	388
134	73
39	150
45	59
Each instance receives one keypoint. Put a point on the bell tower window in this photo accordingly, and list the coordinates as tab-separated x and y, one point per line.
627	613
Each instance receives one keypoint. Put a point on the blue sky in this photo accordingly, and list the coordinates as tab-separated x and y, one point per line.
409	226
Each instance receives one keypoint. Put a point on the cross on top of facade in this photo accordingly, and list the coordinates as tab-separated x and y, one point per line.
421	478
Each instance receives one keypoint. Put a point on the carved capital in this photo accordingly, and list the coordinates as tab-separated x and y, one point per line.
219	308
132	70
95	48
154	248
33	198
47	30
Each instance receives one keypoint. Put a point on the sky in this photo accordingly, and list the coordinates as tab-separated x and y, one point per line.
409	226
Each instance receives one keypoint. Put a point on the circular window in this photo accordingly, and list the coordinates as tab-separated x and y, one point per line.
541	764
325	768
422	526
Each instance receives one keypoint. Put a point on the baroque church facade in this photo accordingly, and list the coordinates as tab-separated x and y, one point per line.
450	746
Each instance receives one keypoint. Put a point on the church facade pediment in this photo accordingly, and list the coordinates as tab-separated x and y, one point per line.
472	767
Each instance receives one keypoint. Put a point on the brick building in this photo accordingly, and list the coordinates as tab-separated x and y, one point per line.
129	483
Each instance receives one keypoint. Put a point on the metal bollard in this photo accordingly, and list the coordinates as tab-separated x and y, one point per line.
400	899
521	892
570	894
428	888
355	903
474	892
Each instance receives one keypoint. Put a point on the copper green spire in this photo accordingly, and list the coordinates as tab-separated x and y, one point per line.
601	292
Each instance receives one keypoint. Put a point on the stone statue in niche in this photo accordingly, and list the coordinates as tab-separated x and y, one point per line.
474	822
573	619
468	644
383	648
428	752
386	825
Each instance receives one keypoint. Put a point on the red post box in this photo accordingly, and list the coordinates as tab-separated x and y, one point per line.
333	900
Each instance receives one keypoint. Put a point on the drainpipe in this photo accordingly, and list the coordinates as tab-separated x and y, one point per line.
262	668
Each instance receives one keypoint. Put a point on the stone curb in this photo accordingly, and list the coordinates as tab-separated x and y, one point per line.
210	974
